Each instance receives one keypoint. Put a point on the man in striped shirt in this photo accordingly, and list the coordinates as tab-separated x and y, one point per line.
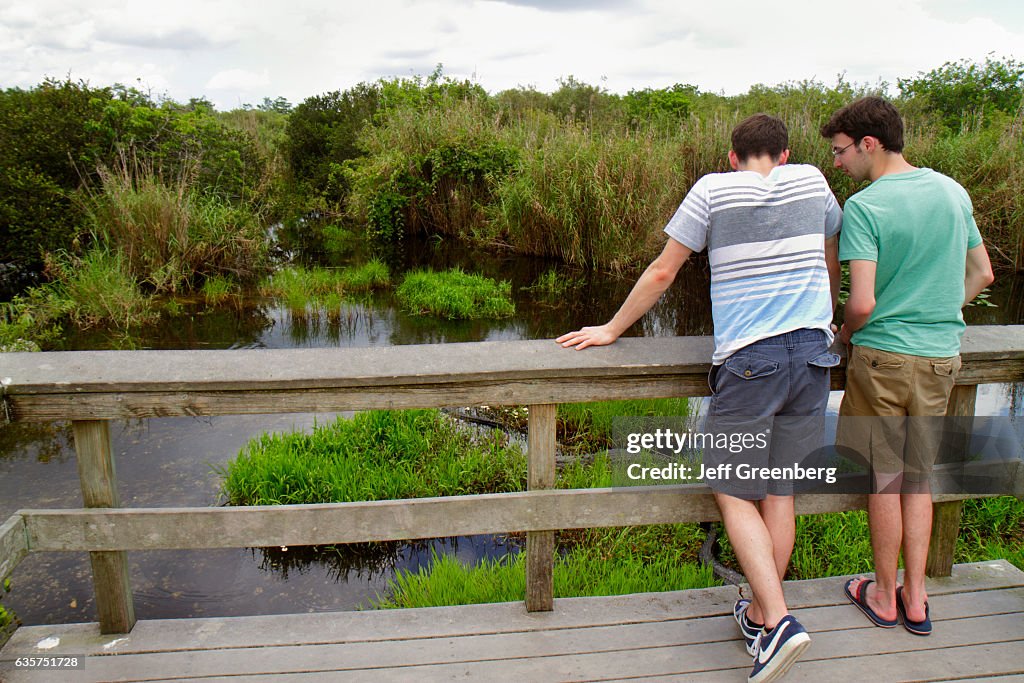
771	234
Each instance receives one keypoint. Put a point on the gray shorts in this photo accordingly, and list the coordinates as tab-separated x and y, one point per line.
767	416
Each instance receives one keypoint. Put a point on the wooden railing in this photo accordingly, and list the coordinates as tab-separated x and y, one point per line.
90	388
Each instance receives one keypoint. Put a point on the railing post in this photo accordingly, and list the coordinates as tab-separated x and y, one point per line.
114	607
946	516
540	545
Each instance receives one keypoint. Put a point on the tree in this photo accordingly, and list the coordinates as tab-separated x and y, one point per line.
960	91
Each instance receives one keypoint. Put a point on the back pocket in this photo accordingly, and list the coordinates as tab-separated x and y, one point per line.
825	360
751	366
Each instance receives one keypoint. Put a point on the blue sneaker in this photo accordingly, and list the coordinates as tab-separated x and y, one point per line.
778	649
748	629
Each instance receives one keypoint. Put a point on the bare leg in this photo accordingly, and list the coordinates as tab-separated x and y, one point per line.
885	520
917	529
754	549
780	520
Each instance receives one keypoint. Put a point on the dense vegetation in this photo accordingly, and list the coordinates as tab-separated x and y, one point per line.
116	197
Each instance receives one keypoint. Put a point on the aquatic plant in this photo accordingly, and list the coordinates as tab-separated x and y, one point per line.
455	294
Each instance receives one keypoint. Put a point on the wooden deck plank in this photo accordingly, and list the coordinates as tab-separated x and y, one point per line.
366	626
649	635
693	646
362	626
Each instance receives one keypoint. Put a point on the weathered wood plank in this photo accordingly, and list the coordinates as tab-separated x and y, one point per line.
229	527
91	406
987	588
247	369
578	654
13	544
116	611
113	384
540	545
272	525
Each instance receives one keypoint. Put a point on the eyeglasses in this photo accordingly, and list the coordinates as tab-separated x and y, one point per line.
839	152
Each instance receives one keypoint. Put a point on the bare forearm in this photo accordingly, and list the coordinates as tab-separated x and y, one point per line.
645	293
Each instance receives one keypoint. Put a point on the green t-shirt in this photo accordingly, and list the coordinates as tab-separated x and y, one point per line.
917	228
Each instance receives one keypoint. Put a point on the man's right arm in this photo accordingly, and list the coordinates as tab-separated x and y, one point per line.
647	290
978	274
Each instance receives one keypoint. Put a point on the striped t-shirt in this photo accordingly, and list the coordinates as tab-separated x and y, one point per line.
765	237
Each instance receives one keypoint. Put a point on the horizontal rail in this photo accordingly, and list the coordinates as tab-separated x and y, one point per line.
387	520
109	529
91	385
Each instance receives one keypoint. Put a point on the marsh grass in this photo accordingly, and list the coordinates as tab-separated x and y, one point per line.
99	287
218	289
616	562
551	287
33	320
170	236
588	427
455	294
376	455
310	292
589	199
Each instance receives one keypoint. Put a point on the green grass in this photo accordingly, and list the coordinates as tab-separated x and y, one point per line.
8	619
839	543
371	275
454	294
587	427
218	289
376	455
551	287
582	571
323	288
99	288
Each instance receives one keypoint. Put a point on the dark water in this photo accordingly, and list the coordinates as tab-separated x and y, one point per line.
171	462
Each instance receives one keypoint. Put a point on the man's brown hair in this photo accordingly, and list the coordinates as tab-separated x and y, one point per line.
760	134
872	116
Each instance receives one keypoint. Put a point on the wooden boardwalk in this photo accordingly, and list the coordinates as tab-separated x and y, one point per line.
679	636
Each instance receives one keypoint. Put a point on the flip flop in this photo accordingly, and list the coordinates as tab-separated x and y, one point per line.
861	602
918	628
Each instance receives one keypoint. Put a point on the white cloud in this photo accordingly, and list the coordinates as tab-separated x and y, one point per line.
234	51
239	79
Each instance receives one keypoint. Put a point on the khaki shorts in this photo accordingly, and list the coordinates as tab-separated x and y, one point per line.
891	414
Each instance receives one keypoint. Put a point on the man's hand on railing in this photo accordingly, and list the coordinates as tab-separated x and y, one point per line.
600	335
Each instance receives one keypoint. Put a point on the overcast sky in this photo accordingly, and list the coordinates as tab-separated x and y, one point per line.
239	51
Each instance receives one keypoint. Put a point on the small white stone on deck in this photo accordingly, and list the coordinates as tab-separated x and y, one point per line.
48	643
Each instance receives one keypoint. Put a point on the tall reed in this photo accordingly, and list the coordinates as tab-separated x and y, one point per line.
171	236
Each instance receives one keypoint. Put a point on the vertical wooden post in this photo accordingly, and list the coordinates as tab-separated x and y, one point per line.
114	606
540	545
946	516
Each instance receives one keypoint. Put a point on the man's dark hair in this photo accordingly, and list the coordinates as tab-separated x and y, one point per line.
760	134
872	116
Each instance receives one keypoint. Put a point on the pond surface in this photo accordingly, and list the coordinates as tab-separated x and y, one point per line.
171	462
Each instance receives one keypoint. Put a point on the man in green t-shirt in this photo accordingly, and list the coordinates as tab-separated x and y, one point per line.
916	258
